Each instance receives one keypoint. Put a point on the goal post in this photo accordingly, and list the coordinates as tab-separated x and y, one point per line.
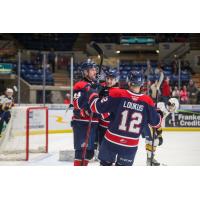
26	134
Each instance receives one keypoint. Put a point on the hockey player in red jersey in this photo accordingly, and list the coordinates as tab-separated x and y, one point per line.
81	114
130	111
111	81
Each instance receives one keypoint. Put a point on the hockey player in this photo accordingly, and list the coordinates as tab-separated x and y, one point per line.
130	111
171	107
5	105
147	132
150	148
111	81
9	95
81	114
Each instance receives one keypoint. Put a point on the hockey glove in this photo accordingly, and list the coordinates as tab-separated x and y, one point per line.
103	92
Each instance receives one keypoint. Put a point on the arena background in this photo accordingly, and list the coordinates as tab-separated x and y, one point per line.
86	16
42	68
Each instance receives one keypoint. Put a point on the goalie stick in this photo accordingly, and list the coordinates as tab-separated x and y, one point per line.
100	52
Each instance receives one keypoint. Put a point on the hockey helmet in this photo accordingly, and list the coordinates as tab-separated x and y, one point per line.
87	65
135	78
112	72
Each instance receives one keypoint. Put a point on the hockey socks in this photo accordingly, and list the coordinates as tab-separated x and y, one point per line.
79	162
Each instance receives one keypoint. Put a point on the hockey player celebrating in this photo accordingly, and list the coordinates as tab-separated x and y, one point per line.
129	111
81	116
111	81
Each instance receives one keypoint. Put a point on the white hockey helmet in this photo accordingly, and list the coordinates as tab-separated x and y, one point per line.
9	90
173	105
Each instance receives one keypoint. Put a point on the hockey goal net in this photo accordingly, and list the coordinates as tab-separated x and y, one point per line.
26	134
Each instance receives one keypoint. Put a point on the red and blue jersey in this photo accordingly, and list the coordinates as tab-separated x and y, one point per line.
104	121
80	102
129	112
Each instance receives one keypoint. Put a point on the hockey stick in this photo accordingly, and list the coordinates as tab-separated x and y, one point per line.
100	52
154	130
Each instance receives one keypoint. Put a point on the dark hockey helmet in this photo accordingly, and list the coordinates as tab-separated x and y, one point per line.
87	65
135	78
112	72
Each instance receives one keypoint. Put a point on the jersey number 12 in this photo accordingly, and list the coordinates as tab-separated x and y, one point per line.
134	126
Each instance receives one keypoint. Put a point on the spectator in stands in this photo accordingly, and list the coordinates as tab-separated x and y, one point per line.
166	90
148	70
186	66
39	58
51	60
67	99
184	95
153	88
159	69
176	92
174	68
198	97
192	91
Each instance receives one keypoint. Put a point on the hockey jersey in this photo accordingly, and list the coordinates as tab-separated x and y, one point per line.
129	113
80	102
104	121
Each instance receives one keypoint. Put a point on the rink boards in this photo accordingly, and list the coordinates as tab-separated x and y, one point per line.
60	122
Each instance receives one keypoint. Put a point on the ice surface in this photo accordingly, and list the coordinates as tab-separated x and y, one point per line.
178	149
